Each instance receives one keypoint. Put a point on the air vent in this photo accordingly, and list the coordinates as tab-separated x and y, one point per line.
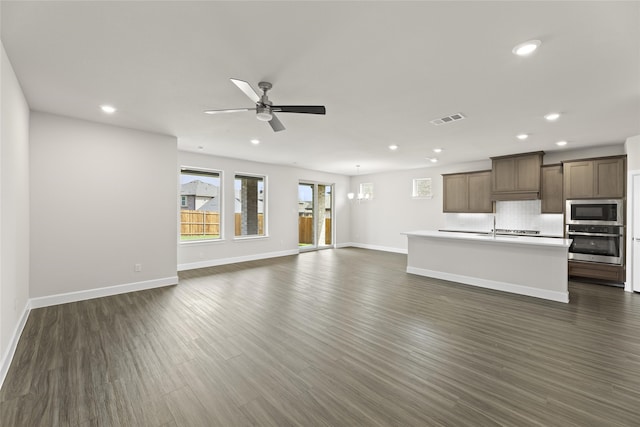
448	119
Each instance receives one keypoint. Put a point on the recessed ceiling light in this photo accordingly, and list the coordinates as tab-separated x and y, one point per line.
433	160
522	136
393	147
552	117
108	109
255	141
561	143
437	150
526	48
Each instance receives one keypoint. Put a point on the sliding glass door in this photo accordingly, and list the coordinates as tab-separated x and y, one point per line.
315	212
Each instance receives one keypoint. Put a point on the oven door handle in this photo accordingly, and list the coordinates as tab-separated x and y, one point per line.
571	233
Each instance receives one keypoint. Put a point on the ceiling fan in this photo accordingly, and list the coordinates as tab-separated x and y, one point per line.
264	108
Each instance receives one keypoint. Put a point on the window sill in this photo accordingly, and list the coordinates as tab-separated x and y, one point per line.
200	242
249	238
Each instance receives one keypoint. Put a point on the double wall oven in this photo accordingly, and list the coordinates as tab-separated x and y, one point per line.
597	230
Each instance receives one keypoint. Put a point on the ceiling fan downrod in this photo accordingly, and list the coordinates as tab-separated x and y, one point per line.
263	108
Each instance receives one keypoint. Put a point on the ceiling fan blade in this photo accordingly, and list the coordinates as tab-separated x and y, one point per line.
306	109
231	110
275	123
247	89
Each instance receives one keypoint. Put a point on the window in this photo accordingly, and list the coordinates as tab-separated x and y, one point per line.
249	205
365	191
422	188
200	200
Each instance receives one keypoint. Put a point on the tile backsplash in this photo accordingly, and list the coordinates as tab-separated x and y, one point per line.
511	215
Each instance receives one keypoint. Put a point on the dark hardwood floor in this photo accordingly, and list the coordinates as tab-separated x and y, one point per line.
329	338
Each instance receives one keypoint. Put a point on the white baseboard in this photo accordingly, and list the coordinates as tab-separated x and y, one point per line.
492	284
7	357
344	245
101	292
376	247
234	260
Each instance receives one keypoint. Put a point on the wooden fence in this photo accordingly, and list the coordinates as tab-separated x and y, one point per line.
198	223
305	230
202	223
238	228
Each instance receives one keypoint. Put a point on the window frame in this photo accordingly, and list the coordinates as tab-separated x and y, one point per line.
414	191
194	170
265	228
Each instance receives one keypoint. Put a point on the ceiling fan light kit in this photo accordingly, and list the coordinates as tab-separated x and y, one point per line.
265	108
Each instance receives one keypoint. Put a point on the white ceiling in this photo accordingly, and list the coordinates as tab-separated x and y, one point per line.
382	69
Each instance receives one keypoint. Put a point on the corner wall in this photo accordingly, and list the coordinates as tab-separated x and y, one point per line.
103	199
14	211
379	222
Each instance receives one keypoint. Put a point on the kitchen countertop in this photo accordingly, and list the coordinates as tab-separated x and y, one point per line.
482	237
554	236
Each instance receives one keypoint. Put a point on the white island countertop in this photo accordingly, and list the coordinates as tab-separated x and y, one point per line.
515	240
532	266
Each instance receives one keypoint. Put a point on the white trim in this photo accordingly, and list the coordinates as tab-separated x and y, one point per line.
101	292
344	245
7	357
234	260
493	284
628	284
376	248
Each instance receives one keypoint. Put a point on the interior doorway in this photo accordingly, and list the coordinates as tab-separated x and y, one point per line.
315	215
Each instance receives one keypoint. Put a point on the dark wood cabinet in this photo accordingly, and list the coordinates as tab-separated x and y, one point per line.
551	189
516	177
455	193
602	178
578	180
467	192
597	271
609	177
480	192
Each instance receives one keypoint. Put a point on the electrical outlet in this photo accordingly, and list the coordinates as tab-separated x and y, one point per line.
137	268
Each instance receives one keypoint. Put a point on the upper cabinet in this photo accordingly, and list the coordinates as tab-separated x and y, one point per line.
551	191
601	178
516	177
467	192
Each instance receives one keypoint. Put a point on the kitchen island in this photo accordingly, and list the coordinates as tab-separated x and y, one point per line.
533	266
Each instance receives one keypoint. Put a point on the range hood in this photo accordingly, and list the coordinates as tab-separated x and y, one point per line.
516	177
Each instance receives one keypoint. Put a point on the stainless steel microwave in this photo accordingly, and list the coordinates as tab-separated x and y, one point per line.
595	212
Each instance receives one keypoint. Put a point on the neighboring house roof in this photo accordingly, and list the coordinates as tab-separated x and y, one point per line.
305	206
238	205
213	205
308	206
199	189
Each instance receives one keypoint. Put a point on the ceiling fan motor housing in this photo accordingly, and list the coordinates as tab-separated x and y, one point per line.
263	112
263	108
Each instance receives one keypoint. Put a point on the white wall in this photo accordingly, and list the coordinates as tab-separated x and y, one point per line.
14	210
282	212
378	224
632	148
103	199
583	153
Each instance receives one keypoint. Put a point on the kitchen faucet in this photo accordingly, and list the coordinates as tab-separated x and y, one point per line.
494	227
